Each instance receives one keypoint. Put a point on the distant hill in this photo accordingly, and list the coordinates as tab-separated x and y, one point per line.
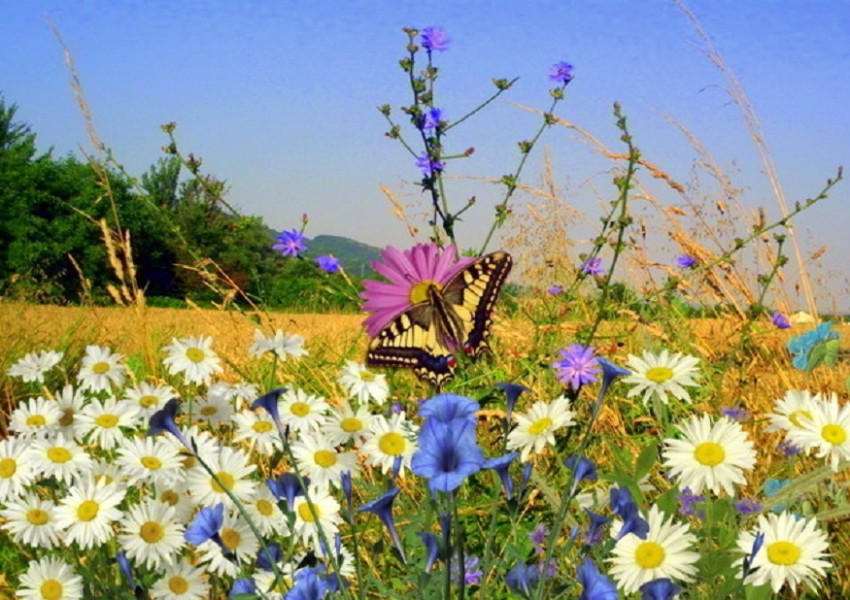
353	255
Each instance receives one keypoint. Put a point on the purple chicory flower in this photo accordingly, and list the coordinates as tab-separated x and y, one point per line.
780	321
428	165
688	502
434	39
471	574
431	119
556	290
578	366
290	243
383	508
592	266
789	449
686	261
538	537
748	506
561	72
735	413
328	264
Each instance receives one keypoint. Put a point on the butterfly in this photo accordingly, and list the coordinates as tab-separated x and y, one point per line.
457	316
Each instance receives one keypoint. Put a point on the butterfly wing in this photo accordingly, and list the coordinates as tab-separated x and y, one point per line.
425	337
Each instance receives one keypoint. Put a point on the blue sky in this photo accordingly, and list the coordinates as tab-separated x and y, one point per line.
279	97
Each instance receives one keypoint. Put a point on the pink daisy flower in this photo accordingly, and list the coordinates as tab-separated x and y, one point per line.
410	272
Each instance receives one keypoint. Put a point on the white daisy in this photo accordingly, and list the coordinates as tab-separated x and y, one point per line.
257	429
149	397
212	409
283	345
710	456
301	411
343	424
60	458
100	369
389	440
828	432
206	446
108	472
103	421
232	467
243	393
657	375
16	468
194	358
363	384
33	366
71	402
31	521
318	459
35	418
327	517
177	497
793	411
664	553
794	551
267	583
87	512
151	535
238	538
150	460
266	514
345	560
50	579
181	581
537	428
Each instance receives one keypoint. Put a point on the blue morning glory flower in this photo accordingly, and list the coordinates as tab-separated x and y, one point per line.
434	39
287	486
447	454
596	585
383	508
309	585
594	531
242	586
624	506
449	407
659	589
163	421
512	394
268	402
522	579
432	549
501	465
205	526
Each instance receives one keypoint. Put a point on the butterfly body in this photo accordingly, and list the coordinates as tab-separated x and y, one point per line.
454	317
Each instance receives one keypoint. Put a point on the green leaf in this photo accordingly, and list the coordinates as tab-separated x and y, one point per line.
646	460
832	347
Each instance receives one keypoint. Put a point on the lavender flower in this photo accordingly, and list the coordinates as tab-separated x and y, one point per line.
592	266
434	39
577	367
290	243
561	72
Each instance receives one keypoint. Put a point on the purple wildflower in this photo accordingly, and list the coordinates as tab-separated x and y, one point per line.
428	165
686	261
578	366
561	72
328	264
556	290
659	589
432	549
290	243
780	320
595	585
431	119
434	39
595	529
748	506
383	508
592	266
471	574
789	449
688	502
538	538
735	413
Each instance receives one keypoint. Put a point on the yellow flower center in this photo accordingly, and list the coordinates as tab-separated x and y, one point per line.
87	510
36	421
100	368
540	425
305	514
264	507
36	516
107	421
51	589
230	538
392	443
783	553
148	401
325	458
419	292
300	409
178	584
58	454
351	425
8	467
208	411
649	555
196	355
834	434
262	426
659	374
709	454
151	462
367	376
67	418
797	417
226	482
151	532
170	497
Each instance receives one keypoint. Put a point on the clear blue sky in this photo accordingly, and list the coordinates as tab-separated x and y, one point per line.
279	97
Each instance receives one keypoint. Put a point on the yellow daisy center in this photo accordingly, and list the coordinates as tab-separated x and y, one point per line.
170	497
262	426
367	376
208	411
264	507
230	538
100	368
151	462
540	425
178	584
305	514
659	374
36	516
196	355
300	409
36	421
649	555
351	425
783	553
151	532
325	458
51	589
148	401
8	467
67	417
797	416
392	443
87	510
226	479
834	434
58	454
419	292
103	477
107	421
709	454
